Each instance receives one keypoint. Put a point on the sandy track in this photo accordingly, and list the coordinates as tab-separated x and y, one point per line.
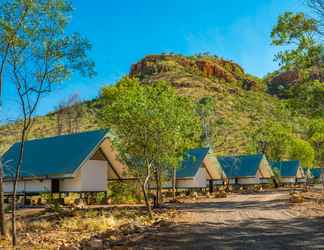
258	221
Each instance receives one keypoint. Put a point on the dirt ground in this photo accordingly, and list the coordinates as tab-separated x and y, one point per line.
241	221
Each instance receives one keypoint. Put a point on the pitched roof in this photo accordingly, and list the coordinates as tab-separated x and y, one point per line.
52	156
307	171
240	166
192	162
316	172
286	168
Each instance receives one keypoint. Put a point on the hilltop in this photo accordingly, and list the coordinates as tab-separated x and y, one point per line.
242	103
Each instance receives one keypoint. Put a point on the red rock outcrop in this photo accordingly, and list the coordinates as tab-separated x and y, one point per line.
210	67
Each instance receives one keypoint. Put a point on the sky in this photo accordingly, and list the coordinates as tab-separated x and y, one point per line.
122	32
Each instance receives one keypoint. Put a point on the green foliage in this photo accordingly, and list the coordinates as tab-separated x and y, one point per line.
152	123
298	30
302	150
36	30
315	135
205	109
124	192
308	98
273	140
278	142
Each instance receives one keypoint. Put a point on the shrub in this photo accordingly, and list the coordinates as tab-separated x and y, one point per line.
124	192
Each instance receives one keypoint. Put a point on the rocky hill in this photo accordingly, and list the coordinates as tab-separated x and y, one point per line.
241	101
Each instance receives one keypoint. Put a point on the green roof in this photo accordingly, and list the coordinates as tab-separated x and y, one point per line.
316	172
193	159
286	168
240	166
59	155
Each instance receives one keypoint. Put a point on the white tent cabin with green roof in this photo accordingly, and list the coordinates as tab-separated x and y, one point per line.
290	172
247	169
198	170
80	162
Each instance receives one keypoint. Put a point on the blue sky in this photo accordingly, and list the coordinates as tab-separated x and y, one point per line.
122	32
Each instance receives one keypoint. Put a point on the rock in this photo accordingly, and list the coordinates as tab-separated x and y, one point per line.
210	67
194	195
280	83
94	244
296	198
220	194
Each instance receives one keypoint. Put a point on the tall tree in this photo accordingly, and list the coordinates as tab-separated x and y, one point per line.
315	135
152	125
303	151
38	54
298	32
272	139
308	98
205	109
69	114
318	8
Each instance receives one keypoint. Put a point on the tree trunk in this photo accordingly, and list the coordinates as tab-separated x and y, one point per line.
144	189
160	199
157	195
158	190
174	173
146	199
2	212
14	191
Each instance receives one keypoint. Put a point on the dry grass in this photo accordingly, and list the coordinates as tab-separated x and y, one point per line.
52	230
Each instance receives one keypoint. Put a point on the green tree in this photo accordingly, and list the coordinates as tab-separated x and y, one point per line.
298	32
36	54
273	140
315	135
205	109
152	125
317	6
304	56
303	151
308	98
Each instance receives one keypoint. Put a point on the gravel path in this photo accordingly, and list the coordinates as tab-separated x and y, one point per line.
258	221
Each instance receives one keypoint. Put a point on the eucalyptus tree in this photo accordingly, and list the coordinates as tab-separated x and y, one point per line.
303	151
273	140
205	109
35	54
152	127
315	135
317	6
298	33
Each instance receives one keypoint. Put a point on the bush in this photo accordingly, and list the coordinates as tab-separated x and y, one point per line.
124	192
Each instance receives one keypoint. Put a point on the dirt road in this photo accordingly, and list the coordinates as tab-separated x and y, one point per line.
258	221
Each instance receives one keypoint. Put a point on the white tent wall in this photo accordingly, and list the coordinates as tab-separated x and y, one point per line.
91	177
200	180
29	186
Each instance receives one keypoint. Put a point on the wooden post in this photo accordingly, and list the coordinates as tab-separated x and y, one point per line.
211	186
106	197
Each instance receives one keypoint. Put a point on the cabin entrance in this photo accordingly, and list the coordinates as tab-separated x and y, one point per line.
55	186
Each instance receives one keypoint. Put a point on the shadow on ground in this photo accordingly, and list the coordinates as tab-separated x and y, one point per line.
256	234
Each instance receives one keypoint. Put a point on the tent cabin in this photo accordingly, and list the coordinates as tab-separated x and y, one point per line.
199	170
80	162
307	172
246	169
317	174
290	172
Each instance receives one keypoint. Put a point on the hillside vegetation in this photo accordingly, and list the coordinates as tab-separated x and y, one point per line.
242	103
